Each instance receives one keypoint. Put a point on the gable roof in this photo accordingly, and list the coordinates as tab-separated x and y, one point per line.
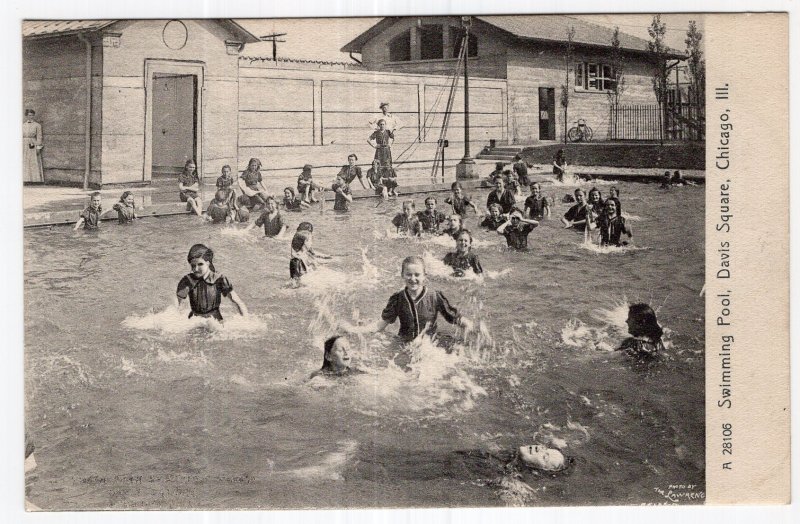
542	28
53	28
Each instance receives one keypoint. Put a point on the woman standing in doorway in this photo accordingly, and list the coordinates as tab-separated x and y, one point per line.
31	149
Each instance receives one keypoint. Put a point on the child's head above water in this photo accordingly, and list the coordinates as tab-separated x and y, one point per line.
220	196
335	358
413	272
579	196
95	200
430	203
288	192
642	322
305	226
499	166
408	207
613	191
201	259
127	198
536	189
271	204
595	195
464	240
455	222
494	209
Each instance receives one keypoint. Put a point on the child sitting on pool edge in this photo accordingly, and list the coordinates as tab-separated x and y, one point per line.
416	306
205	287
90	216
463	259
645	340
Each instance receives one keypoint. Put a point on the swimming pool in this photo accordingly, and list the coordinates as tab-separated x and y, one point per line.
132	406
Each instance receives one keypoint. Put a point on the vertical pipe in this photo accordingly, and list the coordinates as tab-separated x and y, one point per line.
466	93
88	118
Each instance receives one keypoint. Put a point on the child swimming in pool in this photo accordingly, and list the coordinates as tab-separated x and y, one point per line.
125	208
431	219
301	260
335	360
536	206
407	221
454	226
205	287
612	225
271	219
416	306
463	259
494	219
645	340
459	201
578	216
90	216
291	202
516	231
220	208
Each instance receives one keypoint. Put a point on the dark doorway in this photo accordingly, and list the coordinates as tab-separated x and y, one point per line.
547	113
174	122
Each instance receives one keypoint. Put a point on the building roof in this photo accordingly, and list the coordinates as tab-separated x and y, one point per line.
542	28
52	28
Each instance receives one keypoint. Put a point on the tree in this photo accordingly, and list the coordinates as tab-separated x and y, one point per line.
697	77
658	59
569	52
617	63
697	64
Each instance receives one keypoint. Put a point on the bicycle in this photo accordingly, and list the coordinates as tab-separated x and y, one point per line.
581	132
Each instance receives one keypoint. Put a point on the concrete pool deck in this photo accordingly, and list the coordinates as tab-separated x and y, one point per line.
58	205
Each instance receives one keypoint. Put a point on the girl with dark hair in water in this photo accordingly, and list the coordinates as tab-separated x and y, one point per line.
205	287
645	340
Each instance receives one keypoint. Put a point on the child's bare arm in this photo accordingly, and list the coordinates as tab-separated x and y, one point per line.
238	302
79	223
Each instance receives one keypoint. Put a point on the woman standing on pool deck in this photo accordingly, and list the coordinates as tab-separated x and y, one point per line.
205	287
189	186
416	306
381	140
560	165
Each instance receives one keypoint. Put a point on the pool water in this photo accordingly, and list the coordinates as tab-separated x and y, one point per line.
133	406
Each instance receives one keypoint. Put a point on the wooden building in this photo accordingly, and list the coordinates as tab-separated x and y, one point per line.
121	99
528	52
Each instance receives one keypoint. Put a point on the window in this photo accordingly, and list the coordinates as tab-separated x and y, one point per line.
457	37
594	77
431	42
400	47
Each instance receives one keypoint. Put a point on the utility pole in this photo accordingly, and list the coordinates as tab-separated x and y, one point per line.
466	168
274	39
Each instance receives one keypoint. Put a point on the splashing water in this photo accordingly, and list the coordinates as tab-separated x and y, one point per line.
603	338
249	236
610	250
632	218
174	321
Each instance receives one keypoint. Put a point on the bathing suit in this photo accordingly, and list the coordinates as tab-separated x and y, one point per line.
272	226
517	237
576	212
125	213
506	202
462	263
91	217
641	347
611	230
340	202
218	212
408	225
188	180
420	314
522	171
459	204
537	206
490	223
297	268
205	295
350	173
292	205
431	222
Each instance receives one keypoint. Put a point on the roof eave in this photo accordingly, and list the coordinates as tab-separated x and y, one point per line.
669	56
